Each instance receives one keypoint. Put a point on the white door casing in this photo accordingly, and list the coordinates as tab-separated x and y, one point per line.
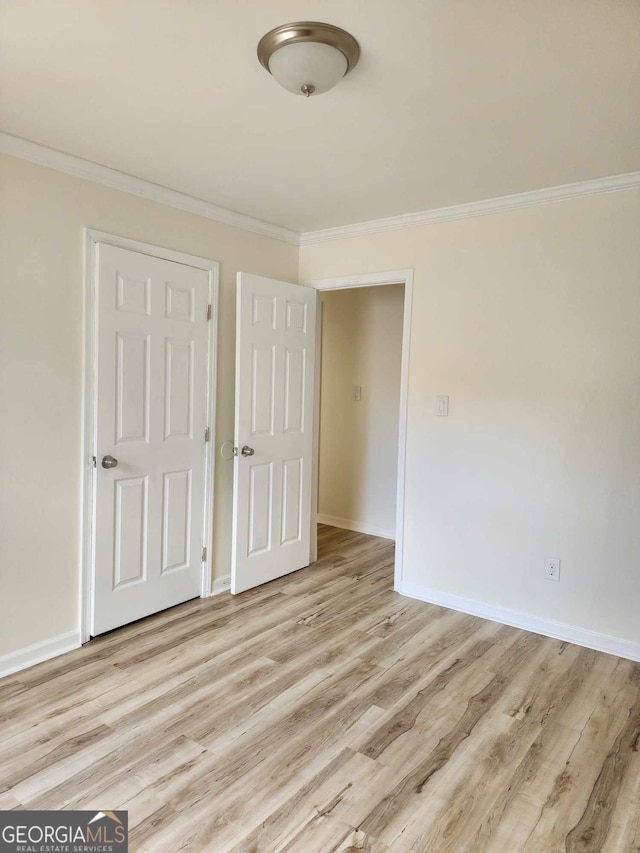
275	370
151	411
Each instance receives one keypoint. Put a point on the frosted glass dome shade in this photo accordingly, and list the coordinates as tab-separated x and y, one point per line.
305	64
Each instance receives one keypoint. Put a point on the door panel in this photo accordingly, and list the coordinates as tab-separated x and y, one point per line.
132	510
176	521
132	387
292	501
262	390
178	394
152	355
275	362
294	390
260	507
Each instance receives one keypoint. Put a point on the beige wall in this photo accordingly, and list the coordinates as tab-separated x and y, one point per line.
42	214
530	321
361	345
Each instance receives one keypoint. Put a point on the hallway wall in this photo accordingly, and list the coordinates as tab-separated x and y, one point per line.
361	346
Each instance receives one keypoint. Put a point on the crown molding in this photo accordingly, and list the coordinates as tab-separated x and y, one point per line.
616	183
89	171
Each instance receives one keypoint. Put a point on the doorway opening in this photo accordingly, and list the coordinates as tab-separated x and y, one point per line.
361	354
362	359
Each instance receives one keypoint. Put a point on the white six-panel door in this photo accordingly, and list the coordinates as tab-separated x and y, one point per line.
275	356
151	378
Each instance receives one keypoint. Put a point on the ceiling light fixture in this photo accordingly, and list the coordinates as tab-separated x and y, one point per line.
308	58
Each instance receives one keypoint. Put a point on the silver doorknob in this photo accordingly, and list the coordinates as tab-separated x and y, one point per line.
247	451
109	461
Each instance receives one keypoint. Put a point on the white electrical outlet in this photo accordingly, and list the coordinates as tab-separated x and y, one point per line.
552	568
356	394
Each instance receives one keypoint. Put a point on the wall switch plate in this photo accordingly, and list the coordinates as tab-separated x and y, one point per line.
442	406
356	394
552	568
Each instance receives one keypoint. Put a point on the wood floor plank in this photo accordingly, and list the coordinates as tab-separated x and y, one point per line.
568	800
592	829
625	820
284	823
324	713
385	816
517	808
8	802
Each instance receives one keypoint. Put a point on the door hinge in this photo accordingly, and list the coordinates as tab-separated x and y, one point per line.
207	434
94	461
204	554
209	312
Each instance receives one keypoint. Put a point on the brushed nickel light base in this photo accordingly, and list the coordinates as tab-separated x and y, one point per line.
309	31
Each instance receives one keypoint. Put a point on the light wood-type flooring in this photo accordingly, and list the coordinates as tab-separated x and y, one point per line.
325	712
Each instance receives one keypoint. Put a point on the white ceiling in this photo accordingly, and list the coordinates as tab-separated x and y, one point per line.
452	101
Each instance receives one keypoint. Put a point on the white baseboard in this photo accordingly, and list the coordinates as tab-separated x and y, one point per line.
356	526
222	584
526	621
38	652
